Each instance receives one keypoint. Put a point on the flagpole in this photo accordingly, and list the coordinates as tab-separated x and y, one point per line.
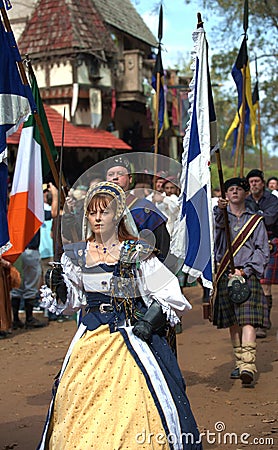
62	185
158	76
242	134
259	120
223	195
245	28
225	212
157	97
35	113
237	147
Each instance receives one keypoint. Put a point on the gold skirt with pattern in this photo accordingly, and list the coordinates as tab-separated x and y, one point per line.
103	401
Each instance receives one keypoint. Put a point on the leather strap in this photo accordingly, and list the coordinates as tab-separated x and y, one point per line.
238	242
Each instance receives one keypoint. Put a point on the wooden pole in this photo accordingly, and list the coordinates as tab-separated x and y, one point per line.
225	212
242	136
158	82
259	119
158	68
36	115
62	185
260	137
237	146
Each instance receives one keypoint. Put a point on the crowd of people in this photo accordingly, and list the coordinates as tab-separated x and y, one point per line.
116	272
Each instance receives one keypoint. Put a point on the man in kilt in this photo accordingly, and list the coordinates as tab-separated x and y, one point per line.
250	254
263	202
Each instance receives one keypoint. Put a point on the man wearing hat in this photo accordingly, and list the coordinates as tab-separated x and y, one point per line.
250	255
264	203
145	214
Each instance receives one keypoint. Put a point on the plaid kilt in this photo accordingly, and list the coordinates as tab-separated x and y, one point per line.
252	312
271	272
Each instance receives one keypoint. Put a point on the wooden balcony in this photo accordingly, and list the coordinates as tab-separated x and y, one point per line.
132	70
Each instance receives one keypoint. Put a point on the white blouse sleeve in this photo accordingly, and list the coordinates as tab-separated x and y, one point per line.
75	294
156	282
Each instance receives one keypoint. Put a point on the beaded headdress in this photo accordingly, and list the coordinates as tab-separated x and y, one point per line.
105	187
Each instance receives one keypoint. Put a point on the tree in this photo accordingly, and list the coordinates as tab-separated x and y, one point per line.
262	43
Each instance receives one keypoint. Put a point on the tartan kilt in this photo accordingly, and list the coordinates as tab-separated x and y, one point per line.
271	271
252	312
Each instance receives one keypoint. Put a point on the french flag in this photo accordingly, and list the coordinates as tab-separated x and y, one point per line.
193	240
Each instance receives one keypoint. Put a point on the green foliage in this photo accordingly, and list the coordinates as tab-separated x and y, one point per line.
225	40
252	162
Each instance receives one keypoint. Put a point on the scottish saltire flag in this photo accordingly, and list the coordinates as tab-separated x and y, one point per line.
193	240
16	103
250	114
26	198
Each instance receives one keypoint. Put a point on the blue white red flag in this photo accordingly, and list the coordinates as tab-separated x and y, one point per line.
16	103
193	241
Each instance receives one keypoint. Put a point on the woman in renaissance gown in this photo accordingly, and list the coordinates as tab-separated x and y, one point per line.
120	386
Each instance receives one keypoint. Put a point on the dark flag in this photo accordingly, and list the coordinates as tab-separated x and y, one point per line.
158	69
250	116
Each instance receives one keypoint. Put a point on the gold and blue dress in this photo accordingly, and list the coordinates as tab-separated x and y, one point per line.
114	390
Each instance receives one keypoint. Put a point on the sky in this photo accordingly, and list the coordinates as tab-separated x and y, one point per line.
179	21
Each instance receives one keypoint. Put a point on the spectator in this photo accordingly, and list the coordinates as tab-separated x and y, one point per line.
263	202
216	194
272	185
144	213
46	241
5	302
166	200
31	274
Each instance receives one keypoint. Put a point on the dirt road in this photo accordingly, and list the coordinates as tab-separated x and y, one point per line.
230	417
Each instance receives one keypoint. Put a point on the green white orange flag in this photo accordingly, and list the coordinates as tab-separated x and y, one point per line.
26	211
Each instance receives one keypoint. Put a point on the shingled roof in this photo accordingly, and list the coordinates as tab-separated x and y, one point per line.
59	27
122	15
75	136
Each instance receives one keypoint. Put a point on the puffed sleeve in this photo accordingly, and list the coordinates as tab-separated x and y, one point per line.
156	282
75	294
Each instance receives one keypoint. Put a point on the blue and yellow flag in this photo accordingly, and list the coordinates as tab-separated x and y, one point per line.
250	114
